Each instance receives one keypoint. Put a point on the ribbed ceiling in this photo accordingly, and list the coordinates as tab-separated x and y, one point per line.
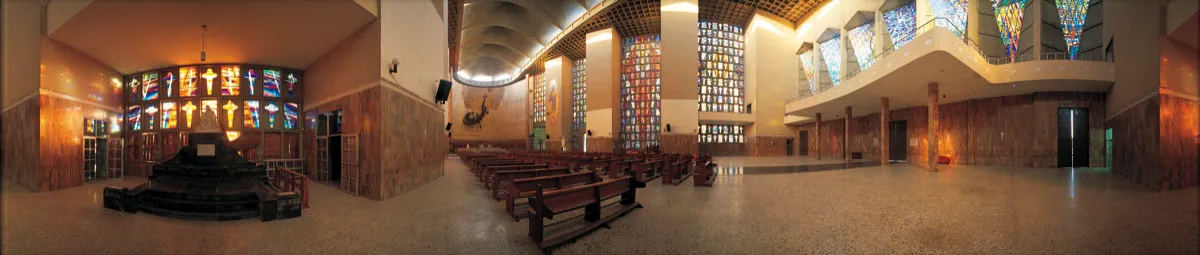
499	35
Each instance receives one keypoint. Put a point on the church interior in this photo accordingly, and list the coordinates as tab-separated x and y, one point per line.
645	126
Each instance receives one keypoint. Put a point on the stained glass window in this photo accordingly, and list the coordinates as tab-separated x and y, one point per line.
1008	18
187	81
168	81
721	68
169	117
135	88
578	103
950	14
250	118
134	116
291	81
902	23
271	82
716	133
230	111
831	52
150	86
539	97
291	114
150	112
862	39
271	108
187	110
808	61
251	77
1073	14
230	80
640	91
209	105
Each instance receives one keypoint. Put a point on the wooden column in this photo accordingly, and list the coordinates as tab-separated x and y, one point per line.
933	126
817	137
846	136
884	142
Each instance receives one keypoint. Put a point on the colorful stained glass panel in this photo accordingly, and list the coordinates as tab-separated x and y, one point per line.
902	23
721	68
640	91
271	82
831	52
862	39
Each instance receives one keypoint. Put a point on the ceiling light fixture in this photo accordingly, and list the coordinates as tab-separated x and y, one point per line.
203	41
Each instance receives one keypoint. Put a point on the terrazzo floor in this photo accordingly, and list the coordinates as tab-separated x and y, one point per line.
869	210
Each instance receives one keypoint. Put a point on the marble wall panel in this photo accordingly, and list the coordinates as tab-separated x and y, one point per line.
1135	143
20	138
511	145
599	144
723	149
765	146
680	143
1179	132
414	142
360	116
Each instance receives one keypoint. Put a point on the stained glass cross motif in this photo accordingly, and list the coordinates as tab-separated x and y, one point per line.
640	88
169	80
721	69
271	83
209	75
271	109
229	107
250	119
251	76
187	109
150	111
187	82
291	79
230	81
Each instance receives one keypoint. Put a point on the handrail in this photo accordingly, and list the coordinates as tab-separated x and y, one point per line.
288	180
930	25
589	14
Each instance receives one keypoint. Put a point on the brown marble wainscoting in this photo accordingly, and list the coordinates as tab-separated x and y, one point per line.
864	136
1179	132
555	145
832	133
916	120
1135	143
723	149
680	143
762	146
414	142
360	116
20	138
512	145
599	144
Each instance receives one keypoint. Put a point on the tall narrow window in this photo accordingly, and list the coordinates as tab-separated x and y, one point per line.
250	118
831	52
271	83
640	91
722	70
230	81
187	81
862	39
539	98
578	103
150	86
901	23
950	14
1008	18
169	117
717	133
808	61
1073	14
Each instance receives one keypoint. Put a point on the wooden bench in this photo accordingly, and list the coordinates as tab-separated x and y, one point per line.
546	204
645	172
618	168
482	169
705	174
677	170
526	187
503	177
476	165
491	171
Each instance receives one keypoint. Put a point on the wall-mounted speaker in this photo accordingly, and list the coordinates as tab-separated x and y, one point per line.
749	108
449	134
448	126
668	127
547	137
589	133
530	135
443	91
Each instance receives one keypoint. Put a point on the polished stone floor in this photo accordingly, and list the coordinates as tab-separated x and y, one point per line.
868	210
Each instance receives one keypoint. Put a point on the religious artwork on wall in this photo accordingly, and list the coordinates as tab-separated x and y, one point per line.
578	103
169	82
862	39
230	82
901	23
188	109
150	86
808	62
251	76
150	112
1073	14
134	116
831	52
291	114
230	108
538	82
552	104
641	90
187	81
208	76
722	69
168	115
1008	19
950	14
271	83
292	80
271	109
478	101
135	88
250	119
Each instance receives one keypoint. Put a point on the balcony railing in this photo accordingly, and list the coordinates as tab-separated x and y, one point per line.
932	24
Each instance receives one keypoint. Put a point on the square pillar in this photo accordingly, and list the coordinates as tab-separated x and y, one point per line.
603	79
557	73
933	126
884	142
846	136
680	41
817	137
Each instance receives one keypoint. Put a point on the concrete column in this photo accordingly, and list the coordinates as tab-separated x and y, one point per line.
679	95
603	79
882	38
558	103
1033	16
817	137
884	143
846	136
973	19
933	126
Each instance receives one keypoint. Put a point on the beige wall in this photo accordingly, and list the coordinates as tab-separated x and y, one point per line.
22	49
69	72
558	97
1178	68
1136	51
679	58
772	74
603	63
506	118
346	68
414	34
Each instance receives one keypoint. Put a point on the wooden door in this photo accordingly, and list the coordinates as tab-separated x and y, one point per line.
350	172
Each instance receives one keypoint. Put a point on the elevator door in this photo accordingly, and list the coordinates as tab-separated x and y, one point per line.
1073	137
898	140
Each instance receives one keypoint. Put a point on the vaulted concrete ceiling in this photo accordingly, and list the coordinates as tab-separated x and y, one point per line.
498	36
132	36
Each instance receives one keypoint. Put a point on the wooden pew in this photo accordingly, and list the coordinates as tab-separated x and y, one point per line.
618	168
482	169
526	187
677	170
647	171
503	177
546	204
705	173
491	171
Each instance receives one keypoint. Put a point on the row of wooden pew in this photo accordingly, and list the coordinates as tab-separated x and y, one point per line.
560	182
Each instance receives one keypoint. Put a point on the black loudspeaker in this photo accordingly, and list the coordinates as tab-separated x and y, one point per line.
448	126
749	108
449	134
668	127
547	137
589	133
443	91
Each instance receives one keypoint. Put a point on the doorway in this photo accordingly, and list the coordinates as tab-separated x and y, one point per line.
803	140
1073	137
898	141
95	150
790	149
